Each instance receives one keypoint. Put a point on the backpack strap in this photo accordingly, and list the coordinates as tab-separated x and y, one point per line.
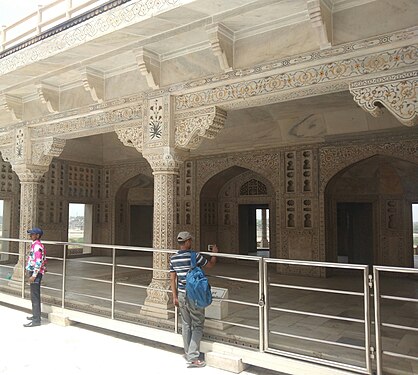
193	259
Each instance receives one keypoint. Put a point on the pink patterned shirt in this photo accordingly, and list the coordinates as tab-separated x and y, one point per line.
37	258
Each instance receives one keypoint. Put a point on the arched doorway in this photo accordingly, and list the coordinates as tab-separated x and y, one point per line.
134	212
237	211
368	210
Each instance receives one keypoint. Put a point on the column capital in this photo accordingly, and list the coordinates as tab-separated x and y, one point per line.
165	159
30	159
396	92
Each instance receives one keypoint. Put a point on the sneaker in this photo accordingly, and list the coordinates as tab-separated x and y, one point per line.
197	363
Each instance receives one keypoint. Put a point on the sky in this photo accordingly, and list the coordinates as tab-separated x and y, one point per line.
10	13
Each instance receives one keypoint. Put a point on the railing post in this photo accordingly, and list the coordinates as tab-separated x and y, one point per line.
38	25
64	270
261	303
23	272
266	306
113	282
68	11
377	321
366	289
3	38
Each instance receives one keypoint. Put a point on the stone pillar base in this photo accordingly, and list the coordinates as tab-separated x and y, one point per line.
226	362
59	319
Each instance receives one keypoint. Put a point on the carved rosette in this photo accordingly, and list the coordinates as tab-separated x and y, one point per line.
192	127
131	136
397	92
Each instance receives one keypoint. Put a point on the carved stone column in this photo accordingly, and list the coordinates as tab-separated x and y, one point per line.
30	159
165	166
264	241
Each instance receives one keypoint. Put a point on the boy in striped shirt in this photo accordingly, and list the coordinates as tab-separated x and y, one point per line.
193	317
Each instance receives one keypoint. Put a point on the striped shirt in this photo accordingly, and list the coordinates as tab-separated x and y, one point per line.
181	263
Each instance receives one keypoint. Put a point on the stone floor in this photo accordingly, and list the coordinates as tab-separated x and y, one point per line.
288	324
112	353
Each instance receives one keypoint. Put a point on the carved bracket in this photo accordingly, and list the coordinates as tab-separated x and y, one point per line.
94	82
320	17
222	42
397	92
192	127
49	95
131	136
43	152
149	66
13	105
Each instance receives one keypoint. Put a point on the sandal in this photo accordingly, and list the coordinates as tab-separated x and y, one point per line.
197	363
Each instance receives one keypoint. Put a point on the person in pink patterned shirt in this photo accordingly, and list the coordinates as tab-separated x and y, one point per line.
36	267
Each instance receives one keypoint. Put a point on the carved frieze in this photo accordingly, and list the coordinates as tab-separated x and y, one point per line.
108	118
313	77
192	127
397	92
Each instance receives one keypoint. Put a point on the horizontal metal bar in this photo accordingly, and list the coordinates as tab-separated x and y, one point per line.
234	279
336	291
54	258
129	303
237	302
89	279
397	326
89	296
394	298
392	354
234	324
54	274
316	264
8	253
142	268
361	370
89	262
51	288
317	315
6	266
318	340
143	287
396	269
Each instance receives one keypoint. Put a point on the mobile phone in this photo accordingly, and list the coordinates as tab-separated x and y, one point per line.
210	247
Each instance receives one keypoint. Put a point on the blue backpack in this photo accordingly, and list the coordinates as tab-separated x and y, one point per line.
197	285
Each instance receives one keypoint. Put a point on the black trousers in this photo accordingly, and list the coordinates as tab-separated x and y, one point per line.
35	296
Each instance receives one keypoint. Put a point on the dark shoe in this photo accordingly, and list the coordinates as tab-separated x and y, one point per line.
29	317
33	323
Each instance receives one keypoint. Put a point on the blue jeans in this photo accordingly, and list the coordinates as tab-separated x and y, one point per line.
35	296
193	320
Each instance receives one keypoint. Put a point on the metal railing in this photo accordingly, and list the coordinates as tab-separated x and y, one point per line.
378	299
364	321
45	17
114	285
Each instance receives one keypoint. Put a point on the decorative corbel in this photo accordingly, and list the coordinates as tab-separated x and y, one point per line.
149	66
49	95
45	150
13	105
222	42
131	136
93	82
397	92
320	17
191	127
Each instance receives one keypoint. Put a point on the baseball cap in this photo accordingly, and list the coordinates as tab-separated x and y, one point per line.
36	231
184	236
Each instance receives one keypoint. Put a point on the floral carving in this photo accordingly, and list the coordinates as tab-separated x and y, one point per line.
192	127
131	137
398	93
